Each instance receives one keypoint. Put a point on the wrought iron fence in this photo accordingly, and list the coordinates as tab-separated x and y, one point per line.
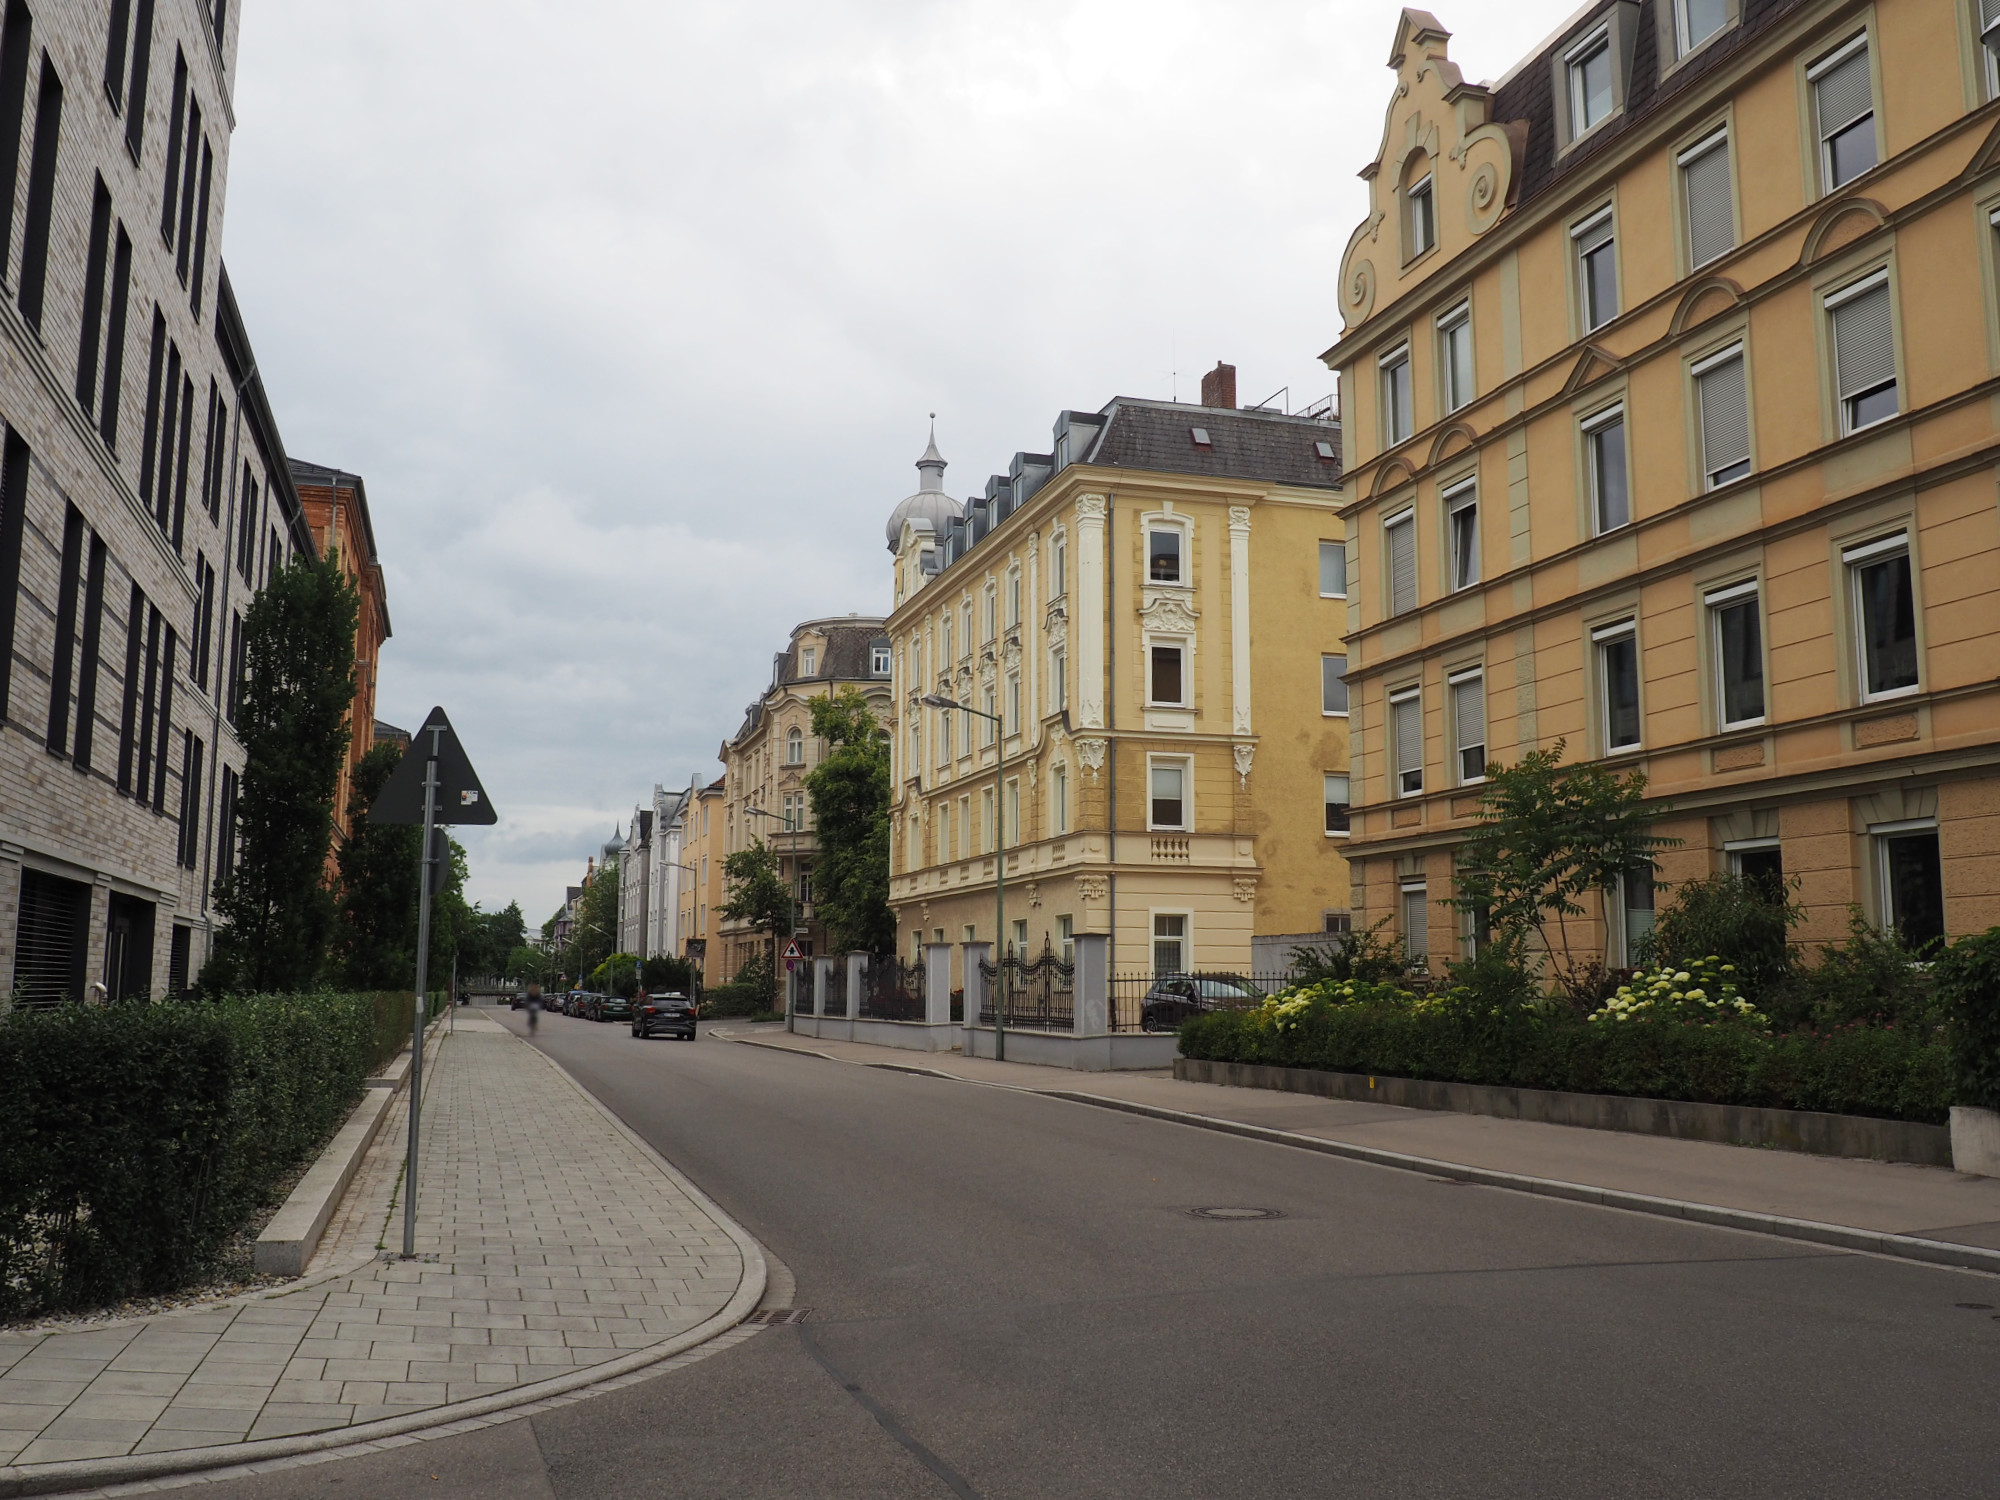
1038	995
836	989
891	990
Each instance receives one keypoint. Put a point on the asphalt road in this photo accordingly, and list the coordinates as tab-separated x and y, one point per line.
1012	1297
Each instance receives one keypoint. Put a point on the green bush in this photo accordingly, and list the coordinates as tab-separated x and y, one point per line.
1734	919
728	1001
1873	978
1968	988
141	1137
1889	1071
617	975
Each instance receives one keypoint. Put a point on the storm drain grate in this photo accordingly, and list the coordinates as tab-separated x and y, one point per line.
1236	1213
779	1315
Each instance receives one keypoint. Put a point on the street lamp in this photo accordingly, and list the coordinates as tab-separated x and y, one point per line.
938	700
791	822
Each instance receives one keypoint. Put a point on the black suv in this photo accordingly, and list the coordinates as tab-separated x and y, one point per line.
664	1015
1175	997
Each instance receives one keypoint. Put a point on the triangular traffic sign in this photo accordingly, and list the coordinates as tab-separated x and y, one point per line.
461	799
792	949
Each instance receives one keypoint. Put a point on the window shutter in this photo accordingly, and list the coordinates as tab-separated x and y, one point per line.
1468	703
1409	719
1711	220
1842	93
1597	234
1416	921
1864	344
1725	416
1402	565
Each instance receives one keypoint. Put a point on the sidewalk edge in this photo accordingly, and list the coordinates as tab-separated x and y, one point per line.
1809	1231
95	1473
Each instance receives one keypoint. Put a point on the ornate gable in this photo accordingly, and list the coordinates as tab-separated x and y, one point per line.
1434	132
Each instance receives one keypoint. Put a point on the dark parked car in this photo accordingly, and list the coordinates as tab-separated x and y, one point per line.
1175	997
612	1008
669	1015
586	1005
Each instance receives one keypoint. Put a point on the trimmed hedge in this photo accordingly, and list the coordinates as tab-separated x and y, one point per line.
1892	1073
1968	981
141	1137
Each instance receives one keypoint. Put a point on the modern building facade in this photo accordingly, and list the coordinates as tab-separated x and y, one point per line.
767	760
1668	368
144	494
1152	610
336	512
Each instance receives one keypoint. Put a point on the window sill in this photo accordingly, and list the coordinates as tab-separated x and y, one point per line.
1334	713
1340	833
1743	726
1890	695
1585	137
1341	597
1624	750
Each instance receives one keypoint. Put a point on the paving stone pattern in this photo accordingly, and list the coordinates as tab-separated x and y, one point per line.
557	1242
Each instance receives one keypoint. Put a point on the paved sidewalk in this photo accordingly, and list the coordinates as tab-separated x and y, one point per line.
1884	1197
550	1242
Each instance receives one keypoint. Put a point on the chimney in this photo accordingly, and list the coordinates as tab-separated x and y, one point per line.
1218	387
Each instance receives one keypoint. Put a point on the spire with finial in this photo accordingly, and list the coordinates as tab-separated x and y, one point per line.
931	466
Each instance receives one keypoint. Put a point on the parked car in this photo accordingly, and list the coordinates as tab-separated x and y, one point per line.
1175	997
612	1008
671	1015
586	1005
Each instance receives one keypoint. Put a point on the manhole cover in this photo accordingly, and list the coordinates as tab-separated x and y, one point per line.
1236	1213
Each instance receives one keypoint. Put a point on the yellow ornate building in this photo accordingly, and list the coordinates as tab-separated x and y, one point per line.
1153	611
1669	371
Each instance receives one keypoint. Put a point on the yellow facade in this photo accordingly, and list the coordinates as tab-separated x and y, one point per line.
1051	618
703	822
1760	265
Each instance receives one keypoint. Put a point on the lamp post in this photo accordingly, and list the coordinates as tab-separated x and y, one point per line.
938	700
791	893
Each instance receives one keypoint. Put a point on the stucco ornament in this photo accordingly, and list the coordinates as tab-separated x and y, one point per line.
1057	627
1090	755
1034	895
1090	505
1091	888
1168	612
1243	755
1244	888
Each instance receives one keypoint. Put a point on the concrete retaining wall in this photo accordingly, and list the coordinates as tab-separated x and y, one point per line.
913	1036
1730	1124
1124	1051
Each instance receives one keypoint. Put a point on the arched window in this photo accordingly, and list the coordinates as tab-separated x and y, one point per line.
795	747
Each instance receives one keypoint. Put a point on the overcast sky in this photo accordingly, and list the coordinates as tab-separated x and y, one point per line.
631	313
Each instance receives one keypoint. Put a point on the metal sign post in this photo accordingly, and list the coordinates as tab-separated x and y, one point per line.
446	790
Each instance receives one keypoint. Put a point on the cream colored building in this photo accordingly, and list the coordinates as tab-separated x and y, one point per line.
702	824
1669	371
766	762
1153	610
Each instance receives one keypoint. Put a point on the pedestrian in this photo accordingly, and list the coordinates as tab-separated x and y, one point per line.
534	1007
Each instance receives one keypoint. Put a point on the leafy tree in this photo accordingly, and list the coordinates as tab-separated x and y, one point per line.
527	965
617	975
277	910
757	895
664	971
1549	834
377	939
850	803
595	932
1743	921
490	937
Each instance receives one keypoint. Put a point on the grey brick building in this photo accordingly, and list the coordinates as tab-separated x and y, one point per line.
144	492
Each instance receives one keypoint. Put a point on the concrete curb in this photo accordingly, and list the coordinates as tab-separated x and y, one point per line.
94	1473
288	1241
1809	1231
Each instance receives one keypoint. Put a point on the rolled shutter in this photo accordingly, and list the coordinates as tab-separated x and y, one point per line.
1864	343
1842	94
1725	417
1711	217
1402	565
1409	730
1468	703
1416	921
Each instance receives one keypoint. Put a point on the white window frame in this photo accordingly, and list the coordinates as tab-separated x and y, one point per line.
1583	226
1704	366
1420	200
1175	643
1832	302
1185	938
1463	570
808	661
1717	139
1183	560
1684	44
878	661
1466	678
1986	38
1346	804
1059	565
1591	426
1453	324
1414	886
1347	692
1058	679
1600	637
1059	797
1185	765
1733	851
1879	835
1397	389
1573	61
795	746
1398	772
1715	601
1852	558
1859	42
1343	551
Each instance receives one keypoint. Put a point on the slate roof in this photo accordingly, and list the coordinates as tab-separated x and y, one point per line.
1529	92
1267	447
845	657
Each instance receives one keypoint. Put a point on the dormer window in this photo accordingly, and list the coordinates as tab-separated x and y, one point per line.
878	663
1421	224
1695	21
808	661
1590	82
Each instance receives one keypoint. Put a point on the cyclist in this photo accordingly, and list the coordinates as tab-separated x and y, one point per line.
534	1007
